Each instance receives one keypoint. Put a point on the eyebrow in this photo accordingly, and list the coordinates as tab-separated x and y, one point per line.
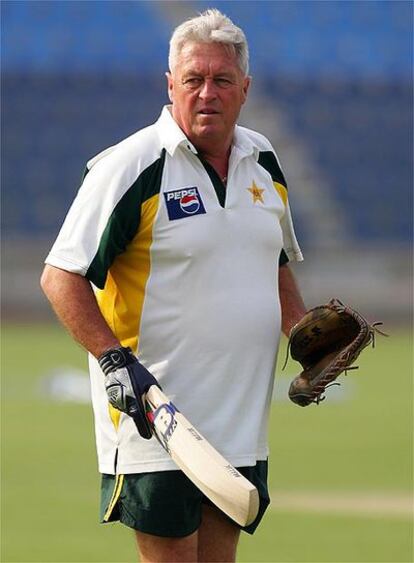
198	74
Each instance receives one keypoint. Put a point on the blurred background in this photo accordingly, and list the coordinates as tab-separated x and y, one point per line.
333	90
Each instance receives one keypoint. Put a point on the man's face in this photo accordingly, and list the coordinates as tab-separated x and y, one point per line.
207	89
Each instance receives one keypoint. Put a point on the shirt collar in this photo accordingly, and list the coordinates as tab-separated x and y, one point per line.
243	142
172	136
170	133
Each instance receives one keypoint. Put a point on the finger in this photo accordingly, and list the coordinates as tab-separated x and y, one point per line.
142	424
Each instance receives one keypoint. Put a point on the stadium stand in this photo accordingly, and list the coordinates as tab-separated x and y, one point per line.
53	124
358	134
75	80
82	35
342	74
79	76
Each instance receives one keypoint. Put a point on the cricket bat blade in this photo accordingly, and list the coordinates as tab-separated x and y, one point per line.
222	483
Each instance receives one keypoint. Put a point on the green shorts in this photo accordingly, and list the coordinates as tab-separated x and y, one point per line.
167	503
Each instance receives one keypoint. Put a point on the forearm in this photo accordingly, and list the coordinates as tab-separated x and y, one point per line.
292	305
74	303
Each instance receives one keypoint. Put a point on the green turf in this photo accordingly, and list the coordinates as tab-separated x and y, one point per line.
292	537
50	487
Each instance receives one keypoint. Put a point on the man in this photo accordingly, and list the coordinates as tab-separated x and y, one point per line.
176	246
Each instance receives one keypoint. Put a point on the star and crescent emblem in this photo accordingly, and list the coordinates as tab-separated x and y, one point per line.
257	193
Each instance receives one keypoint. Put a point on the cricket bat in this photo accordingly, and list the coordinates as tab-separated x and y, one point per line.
204	466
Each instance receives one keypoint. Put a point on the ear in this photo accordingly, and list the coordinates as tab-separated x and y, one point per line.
170	85
246	85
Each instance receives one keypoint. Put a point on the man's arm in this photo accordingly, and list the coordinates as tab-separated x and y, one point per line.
73	301
293	307
126	380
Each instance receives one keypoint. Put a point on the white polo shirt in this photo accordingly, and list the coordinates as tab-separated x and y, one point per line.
186	274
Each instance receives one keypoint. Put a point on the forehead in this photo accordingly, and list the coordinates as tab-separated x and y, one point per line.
207	57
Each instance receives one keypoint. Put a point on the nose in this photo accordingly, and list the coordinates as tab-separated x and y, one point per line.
208	90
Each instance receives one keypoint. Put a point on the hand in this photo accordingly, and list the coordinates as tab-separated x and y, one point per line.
126	383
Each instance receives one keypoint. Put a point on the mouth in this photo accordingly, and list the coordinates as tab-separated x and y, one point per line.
207	111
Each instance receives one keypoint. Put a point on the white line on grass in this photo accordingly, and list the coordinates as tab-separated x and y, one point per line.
371	505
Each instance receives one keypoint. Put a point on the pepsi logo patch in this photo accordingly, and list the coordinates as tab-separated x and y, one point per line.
183	203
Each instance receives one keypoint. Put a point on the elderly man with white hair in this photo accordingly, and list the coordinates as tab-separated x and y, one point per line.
173	261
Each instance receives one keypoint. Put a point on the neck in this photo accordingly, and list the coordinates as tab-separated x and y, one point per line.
220	163
211	150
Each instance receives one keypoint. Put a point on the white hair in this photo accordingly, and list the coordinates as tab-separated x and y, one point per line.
210	27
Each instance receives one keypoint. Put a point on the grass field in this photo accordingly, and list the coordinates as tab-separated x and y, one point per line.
340	474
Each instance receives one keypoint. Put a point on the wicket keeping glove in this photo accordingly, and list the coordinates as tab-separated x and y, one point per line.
126	383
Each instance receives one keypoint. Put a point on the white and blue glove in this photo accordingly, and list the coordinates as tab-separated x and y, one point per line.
126	382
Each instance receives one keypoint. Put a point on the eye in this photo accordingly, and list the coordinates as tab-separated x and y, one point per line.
223	82
192	81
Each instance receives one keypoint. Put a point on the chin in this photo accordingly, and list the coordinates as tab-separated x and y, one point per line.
209	131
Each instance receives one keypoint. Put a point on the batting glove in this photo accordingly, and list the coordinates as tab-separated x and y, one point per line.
126	383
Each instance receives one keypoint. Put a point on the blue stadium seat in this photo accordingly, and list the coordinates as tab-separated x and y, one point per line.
79	76
307	38
76	35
